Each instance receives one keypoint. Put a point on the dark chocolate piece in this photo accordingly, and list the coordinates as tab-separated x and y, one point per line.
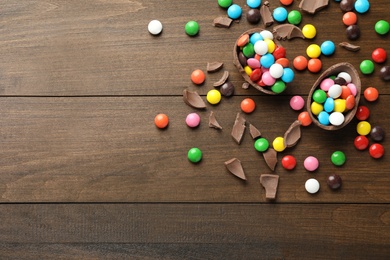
255	133
245	85
293	134
193	99
222	22
266	14
213	121
222	80
214	66
235	167
313	6
253	16
353	32
227	89
287	32
385	73
271	158
238	128
270	183
348	46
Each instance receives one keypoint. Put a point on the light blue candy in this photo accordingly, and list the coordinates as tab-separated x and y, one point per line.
288	75
328	48
267	60
323	118
280	14
329	105
234	11
255	37
253	3
362	6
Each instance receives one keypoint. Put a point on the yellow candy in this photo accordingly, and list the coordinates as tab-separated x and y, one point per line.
316	108
363	128
313	51
271	45
278	144
213	96
339	105
248	70
309	31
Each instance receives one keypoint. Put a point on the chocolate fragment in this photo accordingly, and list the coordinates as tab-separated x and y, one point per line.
213	121
235	167
245	85
255	133
348	46
227	89
385	73
214	66
287	32
222	80
193	99
266	15
293	134
222	22
253	16
270	183
313	6
353	32
271	158
238	128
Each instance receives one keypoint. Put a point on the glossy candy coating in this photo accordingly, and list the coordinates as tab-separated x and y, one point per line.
328	48
192	28
336	118
362	113
213	96
379	55
313	51
194	155
234	11
300	63
376	150
361	142
227	89
349	18
161	121
248	105
280	14
377	133
362	6
261	144
278	87
278	144
305	118
323	118
353	32
253	16
253	3
338	158
382	27
309	31
155	27
312	186
334	181
225	3
363	128
289	162
311	163
367	67
314	65
198	76
371	94
286	2
288	75
193	120
297	103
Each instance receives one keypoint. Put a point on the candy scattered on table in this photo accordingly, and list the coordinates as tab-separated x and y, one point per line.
371	94
367	67
353	32
194	155
361	142
334	181
234	11
161	121
192	28
253	16
379	55
338	158
294	17
309	31
311	163
363	128
198	77
248	105
289	162
213	96
312	186
261	144
297	103
376	150
193	120
382	27
377	133
155	27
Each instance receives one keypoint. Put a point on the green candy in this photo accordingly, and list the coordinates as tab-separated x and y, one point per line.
382	27
294	17
261	144
338	158
192	28
278	87
319	96
194	155
225	3
367	67
248	50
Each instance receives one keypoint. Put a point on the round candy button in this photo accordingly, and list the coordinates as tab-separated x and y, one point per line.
234	11
376	151
278	144
371	94
248	105
362	113
309	31
379	55
297	103
289	162
225	3
311	163
361	142
334	181
194	155
261	144
382	27
338	158
213	96
198	77
312	186
193	120
192	28
155	27
363	128
305	118
294	17
161	121
367	67
377	133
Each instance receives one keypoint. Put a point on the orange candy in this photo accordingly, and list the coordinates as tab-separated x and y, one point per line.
300	63
243	40
350	102
349	18
198	77
314	65
345	92
286	2
371	94
283	61
248	105
161	121
304	118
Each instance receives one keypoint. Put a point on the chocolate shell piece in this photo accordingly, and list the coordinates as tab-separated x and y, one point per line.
245	85
234	166
255	133
214	66
266	14
223	22
222	80
193	99
313	6
271	158
293	134
349	46
287	32
213	121
270	183
238	128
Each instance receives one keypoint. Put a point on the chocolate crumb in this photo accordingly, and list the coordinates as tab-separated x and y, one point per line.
270	183
313	6
222	80
293	134
271	158
287	32
349	46
235	167
245	85
214	66
255	133
238	128
193	99
213	121
222	22
266	15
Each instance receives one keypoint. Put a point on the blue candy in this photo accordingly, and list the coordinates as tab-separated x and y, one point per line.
329	104
328	48
255	37
323	118
288	75
267	60
280	14
362	6
234	11
253	3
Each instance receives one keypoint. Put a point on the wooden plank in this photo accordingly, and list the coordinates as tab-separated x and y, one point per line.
79	47
230	231
95	149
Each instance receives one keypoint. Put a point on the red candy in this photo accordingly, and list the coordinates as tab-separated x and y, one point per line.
376	151
361	142
248	105
362	113
256	75
289	162
279	53
379	55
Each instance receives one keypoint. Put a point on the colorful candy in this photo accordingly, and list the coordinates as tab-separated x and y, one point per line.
362	113
377	133
155	27
289	162
362	6
261	144
253	3
367	67
363	128
314	65
161	121
309	31
371	94
338	158
193	120
192	28
278	144
313	51
234	11
297	103
194	155
248	105
361	142
376	150
305	118
294	17
198	76
382	27
280	14
312	186
311	163
349	18
225	3
334	181
300	63
328	48
379	55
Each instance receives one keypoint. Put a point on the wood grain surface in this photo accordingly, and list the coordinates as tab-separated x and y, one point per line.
85	174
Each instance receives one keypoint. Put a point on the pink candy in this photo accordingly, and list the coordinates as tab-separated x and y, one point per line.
326	84
311	163
297	103
253	63
193	120
268	80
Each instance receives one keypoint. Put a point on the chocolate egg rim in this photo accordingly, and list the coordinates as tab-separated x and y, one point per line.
333	71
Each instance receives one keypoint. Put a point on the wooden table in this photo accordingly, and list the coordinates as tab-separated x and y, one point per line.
85	174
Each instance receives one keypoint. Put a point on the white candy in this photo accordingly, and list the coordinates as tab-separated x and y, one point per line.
267	35
276	70
312	186
345	76
261	47
155	27
335	91
336	118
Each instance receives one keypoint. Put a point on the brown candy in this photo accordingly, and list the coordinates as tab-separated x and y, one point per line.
235	167
223	22
385	73
213	121
353	32
313	6
270	183
238	128
253	16
347	5
227	89
193	99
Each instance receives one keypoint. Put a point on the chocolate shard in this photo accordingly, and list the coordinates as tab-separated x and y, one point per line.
266	14
293	134
245	85
193	99
213	121
271	158
270	183
255	133
214	66
238	128
287	32
313	6
222	22
235	167
349	46
222	80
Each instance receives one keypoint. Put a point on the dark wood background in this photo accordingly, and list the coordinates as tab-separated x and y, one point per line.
85	174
